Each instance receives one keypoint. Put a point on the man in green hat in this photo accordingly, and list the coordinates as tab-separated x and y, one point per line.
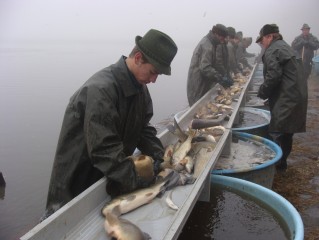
305	44
106	120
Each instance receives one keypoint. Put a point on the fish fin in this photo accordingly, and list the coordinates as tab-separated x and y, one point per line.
146	236
170	202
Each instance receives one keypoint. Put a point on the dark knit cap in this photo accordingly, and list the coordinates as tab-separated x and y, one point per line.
220	30
239	35
267	29
231	32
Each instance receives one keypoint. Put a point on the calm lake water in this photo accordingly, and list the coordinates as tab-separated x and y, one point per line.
36	83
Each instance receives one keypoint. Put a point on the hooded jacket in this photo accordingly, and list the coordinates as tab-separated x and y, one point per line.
203	73
285	87
105	121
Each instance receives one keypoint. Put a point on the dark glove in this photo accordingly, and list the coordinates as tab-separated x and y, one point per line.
115	189
144	183
226	82
157	166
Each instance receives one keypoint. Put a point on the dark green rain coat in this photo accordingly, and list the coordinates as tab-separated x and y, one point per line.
285	87
105	121
203	73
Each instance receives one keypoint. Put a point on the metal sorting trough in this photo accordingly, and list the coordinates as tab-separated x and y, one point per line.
81	218
290	216
262	174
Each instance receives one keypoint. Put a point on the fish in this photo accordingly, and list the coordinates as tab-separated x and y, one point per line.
122	229
167	157
170	202
128	202
189	166
185	147
214	131
177	131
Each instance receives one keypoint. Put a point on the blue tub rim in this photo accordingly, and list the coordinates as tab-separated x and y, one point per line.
316	59
283	205
265	141
253	109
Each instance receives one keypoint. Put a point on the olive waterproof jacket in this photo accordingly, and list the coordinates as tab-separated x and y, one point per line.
105	121
203	73
285	87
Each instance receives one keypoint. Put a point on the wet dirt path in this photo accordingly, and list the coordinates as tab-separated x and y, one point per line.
300	183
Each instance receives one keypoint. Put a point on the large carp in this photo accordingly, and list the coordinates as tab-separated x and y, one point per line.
112	211
122	229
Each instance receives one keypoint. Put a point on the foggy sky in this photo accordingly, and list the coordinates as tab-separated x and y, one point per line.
98	32
185	21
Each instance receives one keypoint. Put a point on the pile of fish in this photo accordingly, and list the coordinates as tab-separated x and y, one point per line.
177	168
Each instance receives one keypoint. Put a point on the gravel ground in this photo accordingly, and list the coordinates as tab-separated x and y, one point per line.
300	183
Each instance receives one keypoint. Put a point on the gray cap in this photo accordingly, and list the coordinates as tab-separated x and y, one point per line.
305	26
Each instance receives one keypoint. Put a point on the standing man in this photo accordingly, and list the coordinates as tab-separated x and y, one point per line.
106	120
231	47
305	44
205	69
285	88
241	53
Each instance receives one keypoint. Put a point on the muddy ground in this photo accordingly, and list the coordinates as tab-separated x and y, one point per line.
300	183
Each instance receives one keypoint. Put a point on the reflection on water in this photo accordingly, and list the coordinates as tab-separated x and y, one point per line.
232	215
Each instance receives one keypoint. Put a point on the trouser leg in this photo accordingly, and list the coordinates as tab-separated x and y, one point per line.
284	140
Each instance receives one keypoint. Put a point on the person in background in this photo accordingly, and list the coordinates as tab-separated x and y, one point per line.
285	89
231	47
106	120
248	41
305	44
258	59
204	70
241	54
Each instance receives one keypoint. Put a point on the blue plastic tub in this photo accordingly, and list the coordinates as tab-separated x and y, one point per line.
260	129
315	61
262	174
272	200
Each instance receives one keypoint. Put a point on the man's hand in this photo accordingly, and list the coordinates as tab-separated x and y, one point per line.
226	82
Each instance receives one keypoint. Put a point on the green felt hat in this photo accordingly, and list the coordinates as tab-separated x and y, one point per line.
159	49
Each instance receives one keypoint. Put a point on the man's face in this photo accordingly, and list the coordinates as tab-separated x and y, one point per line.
145	72
266	40
305	31
222	39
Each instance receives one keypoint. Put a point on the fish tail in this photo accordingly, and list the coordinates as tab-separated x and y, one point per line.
115	210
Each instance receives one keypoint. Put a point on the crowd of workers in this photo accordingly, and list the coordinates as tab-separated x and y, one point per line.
109	116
